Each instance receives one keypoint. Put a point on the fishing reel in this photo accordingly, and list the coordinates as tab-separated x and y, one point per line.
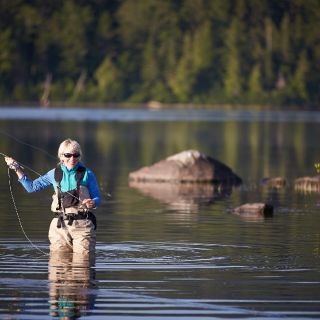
15	166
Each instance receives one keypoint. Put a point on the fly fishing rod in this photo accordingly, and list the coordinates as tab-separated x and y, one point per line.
22	166
26	144
17	165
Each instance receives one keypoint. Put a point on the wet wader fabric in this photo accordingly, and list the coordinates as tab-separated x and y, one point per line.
79	237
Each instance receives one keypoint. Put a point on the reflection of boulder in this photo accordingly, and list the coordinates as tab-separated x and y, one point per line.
276	183
254	211
190	166
185	197
308	184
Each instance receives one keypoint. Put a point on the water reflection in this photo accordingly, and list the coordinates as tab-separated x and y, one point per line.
183	197
149	263
71	283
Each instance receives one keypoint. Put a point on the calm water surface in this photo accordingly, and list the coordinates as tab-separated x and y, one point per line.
166	252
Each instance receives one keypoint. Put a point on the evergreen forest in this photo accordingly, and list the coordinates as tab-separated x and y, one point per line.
172	51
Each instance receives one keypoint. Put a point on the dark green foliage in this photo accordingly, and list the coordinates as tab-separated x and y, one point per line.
197	51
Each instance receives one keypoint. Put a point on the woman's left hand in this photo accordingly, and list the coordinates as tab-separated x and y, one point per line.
89	203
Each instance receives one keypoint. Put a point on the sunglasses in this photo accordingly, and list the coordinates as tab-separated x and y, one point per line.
69	155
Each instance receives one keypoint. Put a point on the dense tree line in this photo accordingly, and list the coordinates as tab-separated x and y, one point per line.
172	51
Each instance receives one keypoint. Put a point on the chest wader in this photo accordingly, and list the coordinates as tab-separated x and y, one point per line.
67	205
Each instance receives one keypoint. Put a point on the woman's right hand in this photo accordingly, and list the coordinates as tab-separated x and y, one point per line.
14	165
10	161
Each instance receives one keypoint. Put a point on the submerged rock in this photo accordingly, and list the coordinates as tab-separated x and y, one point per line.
308	184
187	166
254	209
276	183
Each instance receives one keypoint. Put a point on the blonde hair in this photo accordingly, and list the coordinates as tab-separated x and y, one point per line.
69	143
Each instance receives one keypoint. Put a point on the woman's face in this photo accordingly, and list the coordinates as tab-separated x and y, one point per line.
70	157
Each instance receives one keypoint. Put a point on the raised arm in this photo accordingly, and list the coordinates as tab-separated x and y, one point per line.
30	185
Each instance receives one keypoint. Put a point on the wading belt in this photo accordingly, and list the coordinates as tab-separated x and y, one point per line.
71	217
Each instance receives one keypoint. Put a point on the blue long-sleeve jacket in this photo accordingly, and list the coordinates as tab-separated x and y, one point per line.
68	182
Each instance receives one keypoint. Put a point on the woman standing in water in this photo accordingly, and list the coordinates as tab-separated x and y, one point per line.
76	194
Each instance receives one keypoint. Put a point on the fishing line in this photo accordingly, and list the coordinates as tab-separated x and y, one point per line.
16	209
22	165
15	206
18	216
26	144
37	173
36	148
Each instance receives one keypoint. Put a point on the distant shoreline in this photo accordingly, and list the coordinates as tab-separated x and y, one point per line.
155	105
146	114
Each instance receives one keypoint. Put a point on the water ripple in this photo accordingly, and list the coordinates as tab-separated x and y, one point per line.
154	280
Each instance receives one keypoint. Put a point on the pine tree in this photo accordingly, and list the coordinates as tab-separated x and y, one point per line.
299	81
202	47
183	79
232	79
109	80
255	82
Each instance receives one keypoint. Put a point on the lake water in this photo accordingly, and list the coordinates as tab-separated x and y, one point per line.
169	254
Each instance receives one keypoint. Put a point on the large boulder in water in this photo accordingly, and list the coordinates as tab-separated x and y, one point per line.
187	166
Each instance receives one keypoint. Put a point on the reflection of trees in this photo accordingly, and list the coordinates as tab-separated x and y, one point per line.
266	146
71	279
252	149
